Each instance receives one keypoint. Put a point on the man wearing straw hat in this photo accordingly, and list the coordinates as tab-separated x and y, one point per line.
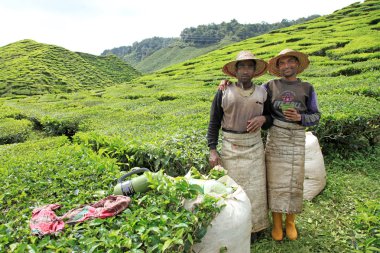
241	110
293	107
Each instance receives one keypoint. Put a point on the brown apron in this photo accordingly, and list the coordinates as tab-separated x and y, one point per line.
285	163
243	157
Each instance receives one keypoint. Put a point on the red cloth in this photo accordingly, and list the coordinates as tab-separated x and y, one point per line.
110	206
45	221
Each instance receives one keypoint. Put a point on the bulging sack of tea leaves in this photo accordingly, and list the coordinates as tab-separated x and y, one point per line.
231	228
315	172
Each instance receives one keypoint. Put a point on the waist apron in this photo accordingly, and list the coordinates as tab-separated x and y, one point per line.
285	163
243	157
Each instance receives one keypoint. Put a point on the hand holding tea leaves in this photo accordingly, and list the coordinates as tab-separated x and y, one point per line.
292	114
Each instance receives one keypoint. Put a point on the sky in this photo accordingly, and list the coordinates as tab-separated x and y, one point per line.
92	26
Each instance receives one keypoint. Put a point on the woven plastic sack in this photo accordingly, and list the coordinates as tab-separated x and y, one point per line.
315	172
231	228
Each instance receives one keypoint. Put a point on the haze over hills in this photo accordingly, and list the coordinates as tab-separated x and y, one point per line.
31	68
156	53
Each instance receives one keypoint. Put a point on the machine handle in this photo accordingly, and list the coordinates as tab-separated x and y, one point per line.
136	171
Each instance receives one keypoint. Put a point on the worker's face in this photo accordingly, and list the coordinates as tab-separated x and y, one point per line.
245	70
288	66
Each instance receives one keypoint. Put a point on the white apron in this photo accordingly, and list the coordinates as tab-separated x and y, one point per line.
285	163
243	157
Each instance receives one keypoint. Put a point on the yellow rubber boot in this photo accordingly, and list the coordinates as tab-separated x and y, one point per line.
277	234
291	231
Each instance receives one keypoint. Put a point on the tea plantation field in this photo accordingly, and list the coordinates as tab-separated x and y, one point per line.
70	148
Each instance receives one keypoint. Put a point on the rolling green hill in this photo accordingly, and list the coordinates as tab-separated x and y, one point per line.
156	53
344	50
31	68
149	110
70	148
173	54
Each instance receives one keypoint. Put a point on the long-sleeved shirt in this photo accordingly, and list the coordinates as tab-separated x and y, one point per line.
232	108
301	95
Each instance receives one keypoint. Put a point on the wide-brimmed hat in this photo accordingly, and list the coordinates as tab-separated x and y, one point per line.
261	65
302	59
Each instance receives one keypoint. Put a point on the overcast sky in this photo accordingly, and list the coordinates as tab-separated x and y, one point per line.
92	26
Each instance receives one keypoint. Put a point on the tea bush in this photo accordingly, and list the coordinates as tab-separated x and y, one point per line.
12	130
31	68
344	124
367	225
176	155
55	171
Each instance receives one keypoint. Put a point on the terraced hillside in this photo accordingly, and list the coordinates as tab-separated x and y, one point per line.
344	53
70	148
150	110
344	50
31	68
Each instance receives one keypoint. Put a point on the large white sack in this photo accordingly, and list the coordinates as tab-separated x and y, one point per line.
231	228
315	172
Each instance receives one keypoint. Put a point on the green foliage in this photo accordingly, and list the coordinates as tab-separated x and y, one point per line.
111	66
368	226
171	55
140	50
160	120
344	126
357	68
12	130
175	156
9	112
148	111
214	173
157	53
344	217
54	171
212	33
60	126
31	68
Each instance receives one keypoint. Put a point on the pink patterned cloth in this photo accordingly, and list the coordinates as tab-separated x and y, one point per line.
110	206
44	221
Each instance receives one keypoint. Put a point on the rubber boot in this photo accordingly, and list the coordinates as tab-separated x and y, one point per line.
291	231
277	233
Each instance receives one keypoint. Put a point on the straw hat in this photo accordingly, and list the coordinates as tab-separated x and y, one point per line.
302	59
261	65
